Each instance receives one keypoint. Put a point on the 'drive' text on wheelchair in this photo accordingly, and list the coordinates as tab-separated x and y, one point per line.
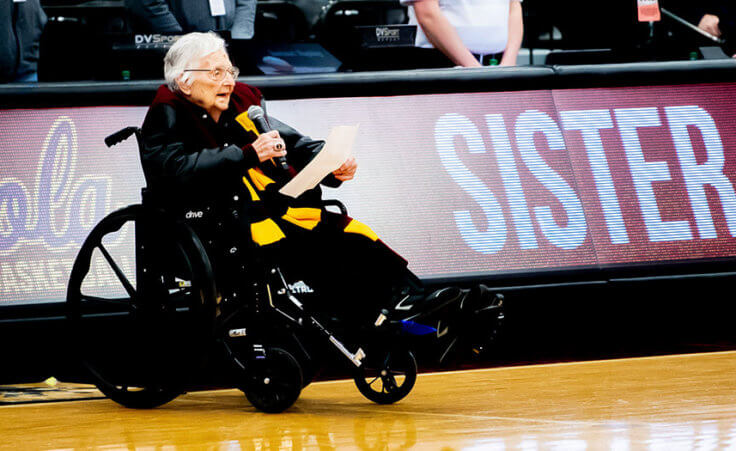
225	275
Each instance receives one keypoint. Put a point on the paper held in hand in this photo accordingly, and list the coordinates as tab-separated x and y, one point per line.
336	151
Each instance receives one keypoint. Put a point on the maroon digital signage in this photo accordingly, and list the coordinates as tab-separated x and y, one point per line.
460	184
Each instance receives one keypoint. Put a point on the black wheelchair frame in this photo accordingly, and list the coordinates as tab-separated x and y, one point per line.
155	339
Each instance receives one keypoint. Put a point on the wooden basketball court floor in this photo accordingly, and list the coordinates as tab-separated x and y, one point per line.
668	402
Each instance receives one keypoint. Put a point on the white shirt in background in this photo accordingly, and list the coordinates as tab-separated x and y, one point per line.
483	25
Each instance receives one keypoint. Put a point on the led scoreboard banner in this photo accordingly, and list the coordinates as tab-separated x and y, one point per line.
469	184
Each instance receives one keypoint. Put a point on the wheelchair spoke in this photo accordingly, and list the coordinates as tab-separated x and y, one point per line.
118	272
132	290
389	383
396	372
387	360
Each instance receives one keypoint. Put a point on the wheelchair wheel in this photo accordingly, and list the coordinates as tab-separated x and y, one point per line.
386	376
140	304
274	382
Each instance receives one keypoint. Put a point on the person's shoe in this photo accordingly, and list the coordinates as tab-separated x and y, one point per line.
485	314
439	303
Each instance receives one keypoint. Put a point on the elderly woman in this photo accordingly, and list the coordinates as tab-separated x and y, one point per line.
194	147
203	163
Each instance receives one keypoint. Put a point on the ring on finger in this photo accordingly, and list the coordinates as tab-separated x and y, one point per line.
279	146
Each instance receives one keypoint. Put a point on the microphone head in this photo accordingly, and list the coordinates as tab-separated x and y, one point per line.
255	112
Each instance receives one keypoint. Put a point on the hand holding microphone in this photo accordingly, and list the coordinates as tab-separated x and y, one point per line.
269	143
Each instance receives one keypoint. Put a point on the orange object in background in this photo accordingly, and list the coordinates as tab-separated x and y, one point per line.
649	11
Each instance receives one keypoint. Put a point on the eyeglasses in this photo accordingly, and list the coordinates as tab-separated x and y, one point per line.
218	73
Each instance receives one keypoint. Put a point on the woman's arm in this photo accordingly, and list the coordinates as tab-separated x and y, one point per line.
442	34
245	14
516	34
166	154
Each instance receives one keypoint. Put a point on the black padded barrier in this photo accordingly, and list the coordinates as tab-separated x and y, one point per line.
391	83
361	84
645	74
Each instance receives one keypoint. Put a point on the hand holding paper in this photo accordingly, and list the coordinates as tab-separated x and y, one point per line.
347	170
336	152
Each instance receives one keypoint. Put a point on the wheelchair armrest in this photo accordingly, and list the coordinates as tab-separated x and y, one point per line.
335	203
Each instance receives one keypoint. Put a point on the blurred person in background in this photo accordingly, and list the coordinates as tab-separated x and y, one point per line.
312	9
21	24
468	33
184	16
717	17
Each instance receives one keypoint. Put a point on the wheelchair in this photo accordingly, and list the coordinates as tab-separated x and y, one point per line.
160	302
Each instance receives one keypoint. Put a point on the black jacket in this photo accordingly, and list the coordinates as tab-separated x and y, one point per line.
196	170
189	159
184	16
21	25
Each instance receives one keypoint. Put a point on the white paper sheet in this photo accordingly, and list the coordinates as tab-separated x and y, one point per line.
338	148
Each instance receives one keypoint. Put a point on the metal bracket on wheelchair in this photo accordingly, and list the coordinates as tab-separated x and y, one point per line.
237	333
356	358
382	317
285	290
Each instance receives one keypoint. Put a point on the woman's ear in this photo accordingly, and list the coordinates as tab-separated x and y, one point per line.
184	87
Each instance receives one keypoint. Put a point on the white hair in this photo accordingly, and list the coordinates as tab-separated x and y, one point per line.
185	51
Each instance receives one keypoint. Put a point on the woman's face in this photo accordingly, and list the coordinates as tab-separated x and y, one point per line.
208	93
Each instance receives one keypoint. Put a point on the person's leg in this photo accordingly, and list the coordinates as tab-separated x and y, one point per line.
349	273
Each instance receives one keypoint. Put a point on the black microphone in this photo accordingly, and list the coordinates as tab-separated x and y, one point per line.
257	115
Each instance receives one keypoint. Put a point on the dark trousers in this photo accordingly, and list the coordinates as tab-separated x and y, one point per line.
346	274
433	59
